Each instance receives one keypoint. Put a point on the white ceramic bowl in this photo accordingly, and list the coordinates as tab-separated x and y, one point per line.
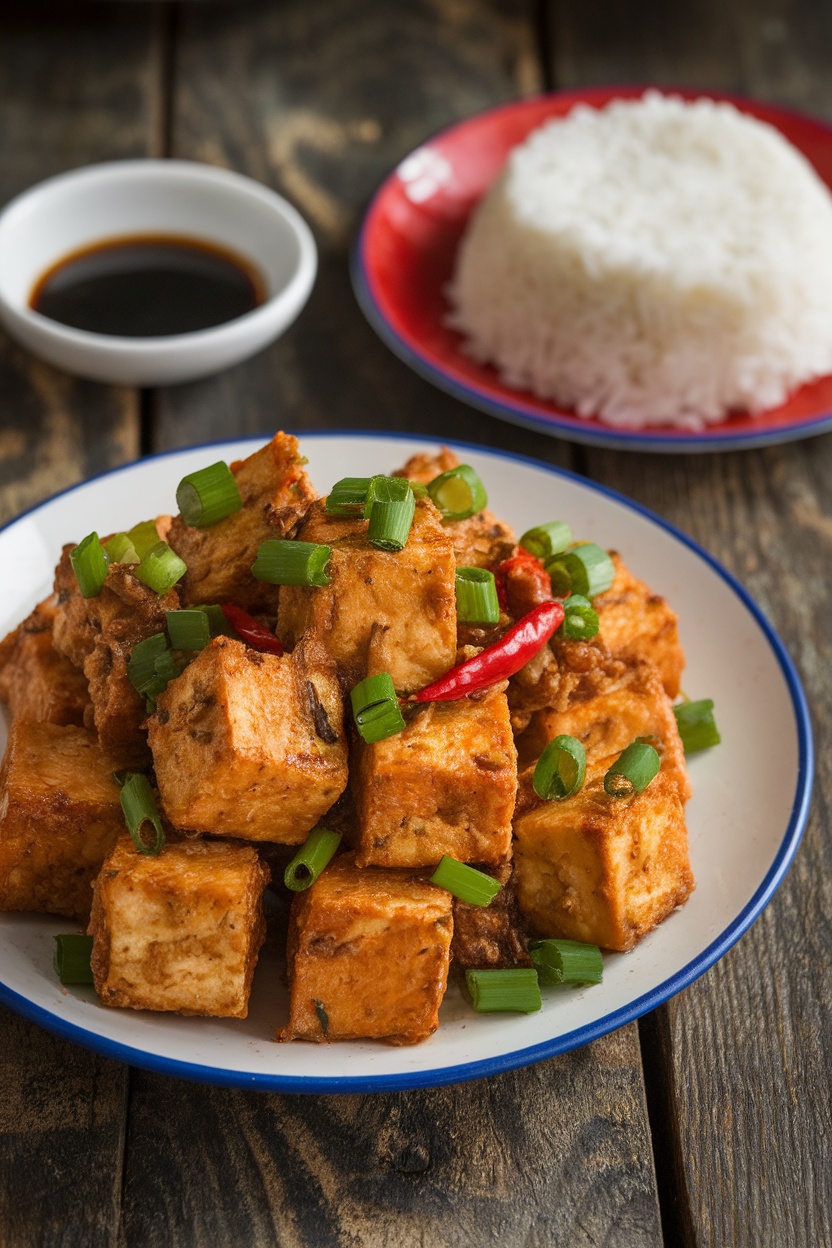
86	206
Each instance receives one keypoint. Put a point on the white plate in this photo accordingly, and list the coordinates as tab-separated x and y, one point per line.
751	795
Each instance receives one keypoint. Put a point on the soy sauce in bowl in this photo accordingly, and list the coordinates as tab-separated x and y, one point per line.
148	286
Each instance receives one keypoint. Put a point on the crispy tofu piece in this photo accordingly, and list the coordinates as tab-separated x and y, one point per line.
602	869
251	745
493	935
276	493
636	623
36	682
559	673
445	785
381	611
368	956
60	815
180	931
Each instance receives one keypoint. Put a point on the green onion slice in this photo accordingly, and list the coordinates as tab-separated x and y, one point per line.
466	883
566	962
560	770
89	563
348	496
161	568
514	991
375	708
547	539
72	958
209	495
141	666
584	569
139	807
144	537
697	726
390	507
292	563
633	770
311	858
476	596
580	619
120	549
188	629
458	493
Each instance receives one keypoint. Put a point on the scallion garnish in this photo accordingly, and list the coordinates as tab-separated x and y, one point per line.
697	726
208	495
348	496
566	962
633	770
375	708
390	507
547	540
72	958
466	883
458	493
514	991
89	563
188	629
141	666
161	568
139	806
292	563
584	569
560	770
476	596
580	619
120	549
311	858
218	621
144	537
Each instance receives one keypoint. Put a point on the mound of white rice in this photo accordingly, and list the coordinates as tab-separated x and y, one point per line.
653	262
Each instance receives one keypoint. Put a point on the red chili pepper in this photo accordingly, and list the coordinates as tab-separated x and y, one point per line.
501	660
522	583
251	631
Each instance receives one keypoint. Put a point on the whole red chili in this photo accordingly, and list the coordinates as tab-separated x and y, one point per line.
522	583
251	631
500	660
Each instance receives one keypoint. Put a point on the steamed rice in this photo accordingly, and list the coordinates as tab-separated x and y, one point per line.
653	262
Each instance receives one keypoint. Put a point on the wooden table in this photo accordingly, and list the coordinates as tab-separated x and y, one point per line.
709	1121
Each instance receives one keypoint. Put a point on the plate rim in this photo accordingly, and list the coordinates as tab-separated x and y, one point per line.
517	1058
524	411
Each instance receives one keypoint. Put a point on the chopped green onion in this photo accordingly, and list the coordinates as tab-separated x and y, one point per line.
218	621
209	495
633	770
348	496
141	666
466	883
89	563
311	858
144	537
585	569
139	807
292	563
547	539
72	958
515	991
476	596
188	629
161	568
120	549
390	507
566	962
580	619
560	770
458	493
375	708
697	726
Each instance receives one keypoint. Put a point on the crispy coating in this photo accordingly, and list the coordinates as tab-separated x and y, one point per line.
445	785
368	956
560	673
60	815
36	682
636	623
251	745
494	935
180	931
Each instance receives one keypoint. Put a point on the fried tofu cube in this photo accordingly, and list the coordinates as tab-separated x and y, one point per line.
60	815
602	869
445	785
251	745
636	623
381	611
36	682
368	956
180	931
276	493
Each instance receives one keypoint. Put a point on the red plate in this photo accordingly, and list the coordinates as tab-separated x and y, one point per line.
404	257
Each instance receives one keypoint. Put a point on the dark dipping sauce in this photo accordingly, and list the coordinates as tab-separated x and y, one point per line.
148	286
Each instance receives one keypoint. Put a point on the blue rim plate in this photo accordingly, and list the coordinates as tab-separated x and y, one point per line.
745	822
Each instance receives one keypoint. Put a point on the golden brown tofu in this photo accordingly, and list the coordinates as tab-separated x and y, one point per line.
180	931
276	492
60	815
381	611
445	785
602	869
36	682
636	623
251	745
493	935
560	672
368	956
